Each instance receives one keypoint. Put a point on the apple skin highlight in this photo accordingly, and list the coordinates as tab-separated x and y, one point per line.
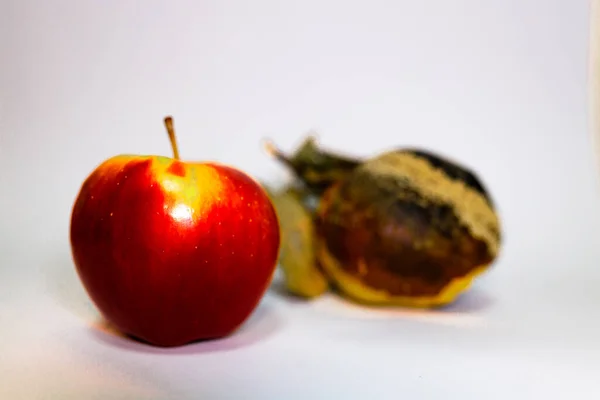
173	252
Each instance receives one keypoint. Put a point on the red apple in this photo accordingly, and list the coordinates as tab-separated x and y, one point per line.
173	252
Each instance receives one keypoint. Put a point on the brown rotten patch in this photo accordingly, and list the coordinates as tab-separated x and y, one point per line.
406	227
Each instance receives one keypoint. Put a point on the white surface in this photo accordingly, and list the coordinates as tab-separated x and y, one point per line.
500	85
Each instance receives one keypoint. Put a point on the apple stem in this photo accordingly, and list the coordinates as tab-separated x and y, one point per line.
172	139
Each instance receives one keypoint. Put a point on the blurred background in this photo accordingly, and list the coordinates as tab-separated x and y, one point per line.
500	85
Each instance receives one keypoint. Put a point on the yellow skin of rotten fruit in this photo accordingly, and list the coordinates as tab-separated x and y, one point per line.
475	224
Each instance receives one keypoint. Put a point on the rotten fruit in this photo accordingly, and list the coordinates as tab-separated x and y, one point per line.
406	227
297	258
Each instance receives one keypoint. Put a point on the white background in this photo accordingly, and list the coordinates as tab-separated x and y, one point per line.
500	85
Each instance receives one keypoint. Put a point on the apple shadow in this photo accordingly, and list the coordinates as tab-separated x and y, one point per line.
261	324
63	286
